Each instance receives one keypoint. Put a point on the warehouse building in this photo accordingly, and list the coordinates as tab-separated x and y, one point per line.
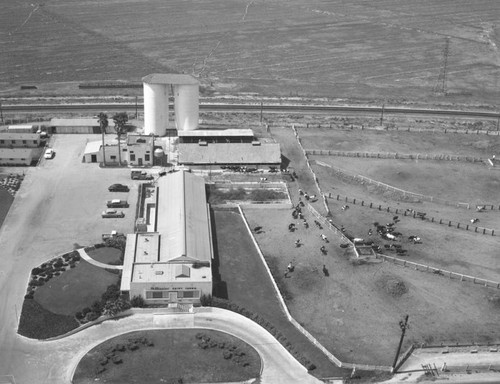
20	140
168	261
80	125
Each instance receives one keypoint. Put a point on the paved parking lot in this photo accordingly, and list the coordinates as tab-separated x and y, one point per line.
59	204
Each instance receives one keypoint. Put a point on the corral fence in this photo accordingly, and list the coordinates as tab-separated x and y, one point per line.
395	155
344	127
316	181
406	194
438	271
416	215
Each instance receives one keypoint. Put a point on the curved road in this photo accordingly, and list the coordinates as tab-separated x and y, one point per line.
55	361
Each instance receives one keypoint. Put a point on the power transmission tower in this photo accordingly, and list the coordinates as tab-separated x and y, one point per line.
440	87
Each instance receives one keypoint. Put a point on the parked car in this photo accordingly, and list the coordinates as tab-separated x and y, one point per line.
140	175
118	188
117	203
110	213
49	153
112	235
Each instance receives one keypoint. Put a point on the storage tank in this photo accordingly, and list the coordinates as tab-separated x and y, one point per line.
155	109
186	106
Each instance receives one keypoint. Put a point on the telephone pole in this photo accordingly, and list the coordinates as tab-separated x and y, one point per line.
404	326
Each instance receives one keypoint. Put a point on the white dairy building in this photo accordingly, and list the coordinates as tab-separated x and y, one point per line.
170	263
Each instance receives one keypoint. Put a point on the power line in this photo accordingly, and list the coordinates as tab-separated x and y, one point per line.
441	86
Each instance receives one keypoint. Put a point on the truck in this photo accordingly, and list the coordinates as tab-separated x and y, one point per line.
140	175
112	235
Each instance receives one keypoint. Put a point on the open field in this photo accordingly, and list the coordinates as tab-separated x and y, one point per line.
389	50
169	356
355	310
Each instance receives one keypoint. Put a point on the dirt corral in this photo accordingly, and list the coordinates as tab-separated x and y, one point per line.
354	309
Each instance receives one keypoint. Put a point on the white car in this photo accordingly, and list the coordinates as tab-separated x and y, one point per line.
49	153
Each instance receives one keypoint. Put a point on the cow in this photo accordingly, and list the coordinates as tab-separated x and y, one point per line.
390	236
474	220
323	237
357	240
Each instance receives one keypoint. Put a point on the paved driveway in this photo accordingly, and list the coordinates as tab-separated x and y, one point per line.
58	204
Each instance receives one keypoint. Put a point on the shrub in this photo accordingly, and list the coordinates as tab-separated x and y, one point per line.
227	355
199	335
117	360
91	316
206	300
97	306
58	263
132	346
79	315
203	345
86	310
36	271
120	347
103	361
112	293
72	265
57	273
28	296
137	302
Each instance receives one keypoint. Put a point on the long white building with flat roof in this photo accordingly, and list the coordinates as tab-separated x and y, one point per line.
171	262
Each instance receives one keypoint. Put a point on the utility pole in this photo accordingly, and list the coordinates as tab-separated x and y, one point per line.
1	114
404	326
382	115
498	120
136	107
261	107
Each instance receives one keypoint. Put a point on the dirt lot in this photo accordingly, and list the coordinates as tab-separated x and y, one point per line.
355	310
392	49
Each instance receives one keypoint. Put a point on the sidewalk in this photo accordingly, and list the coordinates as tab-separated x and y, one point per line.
87	258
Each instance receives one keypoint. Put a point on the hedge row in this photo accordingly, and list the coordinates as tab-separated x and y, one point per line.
226	304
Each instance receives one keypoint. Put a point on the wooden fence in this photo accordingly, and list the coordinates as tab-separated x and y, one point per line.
416	215
395	155
439	271
363	179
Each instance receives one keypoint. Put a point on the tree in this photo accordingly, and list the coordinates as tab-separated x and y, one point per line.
120	120
103	123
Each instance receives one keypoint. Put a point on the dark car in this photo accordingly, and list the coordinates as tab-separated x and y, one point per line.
118	188
117	203
112	213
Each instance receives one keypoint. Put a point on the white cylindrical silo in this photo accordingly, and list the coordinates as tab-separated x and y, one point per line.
186	107
155	109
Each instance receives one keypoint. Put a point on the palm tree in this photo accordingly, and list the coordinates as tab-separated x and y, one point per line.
120	120
103	123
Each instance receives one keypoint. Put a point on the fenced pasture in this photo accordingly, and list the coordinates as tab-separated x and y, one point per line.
425	143
446	181
393	49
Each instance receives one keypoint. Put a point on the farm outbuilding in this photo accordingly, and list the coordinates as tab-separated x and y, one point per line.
18	156
20	140
93	152
81	125
252	154
170	262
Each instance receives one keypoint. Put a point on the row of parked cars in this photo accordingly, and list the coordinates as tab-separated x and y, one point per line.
111	212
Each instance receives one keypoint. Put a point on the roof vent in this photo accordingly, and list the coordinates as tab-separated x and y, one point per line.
158	272
202	143
256	143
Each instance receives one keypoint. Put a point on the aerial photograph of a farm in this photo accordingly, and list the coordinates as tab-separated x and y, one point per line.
249	191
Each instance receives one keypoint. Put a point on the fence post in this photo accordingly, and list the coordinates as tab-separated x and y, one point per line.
492	232
467	227
354	201
379	207
346	199
338	197
371	205
484	231
440	221
458	225
449	223
362	202
388	209
475	230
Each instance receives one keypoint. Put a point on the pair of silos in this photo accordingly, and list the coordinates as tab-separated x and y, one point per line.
157	90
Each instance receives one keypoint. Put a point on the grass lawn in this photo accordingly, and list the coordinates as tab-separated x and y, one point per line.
106	255
75	288
38	323
6	200
246	281
173	355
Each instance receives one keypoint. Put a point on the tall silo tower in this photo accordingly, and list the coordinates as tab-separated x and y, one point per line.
186	106
156	106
